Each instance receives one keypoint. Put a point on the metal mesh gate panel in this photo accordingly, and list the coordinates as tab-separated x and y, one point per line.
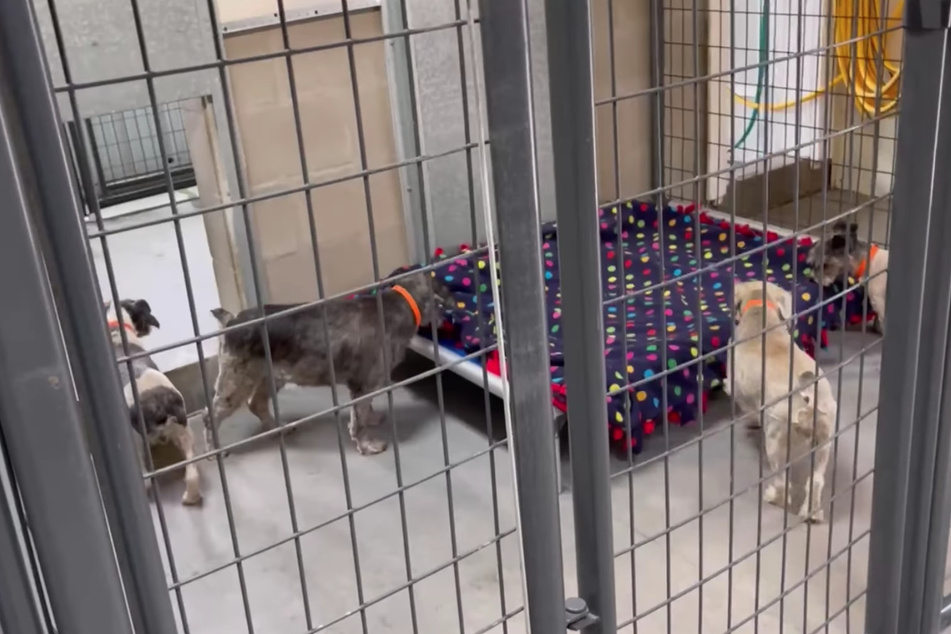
313	399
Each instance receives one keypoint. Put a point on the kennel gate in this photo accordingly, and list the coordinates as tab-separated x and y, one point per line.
51	335
126	156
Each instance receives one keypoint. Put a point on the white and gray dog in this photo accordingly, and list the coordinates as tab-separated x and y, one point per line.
798	408
301	352
161	405
843	254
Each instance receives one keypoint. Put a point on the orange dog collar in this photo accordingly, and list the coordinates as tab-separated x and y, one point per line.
757	303
863	265
410	301
115	324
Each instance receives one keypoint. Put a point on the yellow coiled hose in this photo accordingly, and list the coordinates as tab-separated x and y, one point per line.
860	38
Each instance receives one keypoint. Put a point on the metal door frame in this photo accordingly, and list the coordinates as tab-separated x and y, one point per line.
60	401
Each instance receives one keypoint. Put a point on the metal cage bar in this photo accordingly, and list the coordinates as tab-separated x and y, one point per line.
508	88
910	509
572	116
19	610
41	421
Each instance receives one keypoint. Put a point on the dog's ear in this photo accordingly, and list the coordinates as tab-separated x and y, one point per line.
783	310
781	298
141	315
143	308
223	316
741	292
854	229
805	384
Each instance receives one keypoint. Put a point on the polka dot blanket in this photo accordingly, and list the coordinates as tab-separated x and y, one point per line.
648	300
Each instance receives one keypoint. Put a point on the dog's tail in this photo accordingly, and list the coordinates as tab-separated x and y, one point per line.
223	316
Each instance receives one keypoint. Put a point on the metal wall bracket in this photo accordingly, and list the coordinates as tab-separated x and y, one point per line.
578	615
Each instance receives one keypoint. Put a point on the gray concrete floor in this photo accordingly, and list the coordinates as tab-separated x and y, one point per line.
665	563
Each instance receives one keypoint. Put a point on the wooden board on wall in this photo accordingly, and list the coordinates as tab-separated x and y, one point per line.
630	140
271	162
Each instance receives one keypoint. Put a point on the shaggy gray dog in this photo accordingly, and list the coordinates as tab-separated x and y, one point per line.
345	331
844	254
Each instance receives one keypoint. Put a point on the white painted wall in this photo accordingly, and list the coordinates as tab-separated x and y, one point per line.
147	265
101	44
862	153
734	44
785	80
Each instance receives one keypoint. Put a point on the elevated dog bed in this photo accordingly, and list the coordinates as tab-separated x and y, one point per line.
695	312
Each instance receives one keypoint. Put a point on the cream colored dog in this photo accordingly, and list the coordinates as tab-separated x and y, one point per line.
790	395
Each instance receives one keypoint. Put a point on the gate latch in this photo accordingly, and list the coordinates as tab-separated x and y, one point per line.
578	615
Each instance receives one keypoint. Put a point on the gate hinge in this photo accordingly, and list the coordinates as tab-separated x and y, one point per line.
578	615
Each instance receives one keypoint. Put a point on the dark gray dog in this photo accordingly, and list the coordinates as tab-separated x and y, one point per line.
301	354
161	404
843	254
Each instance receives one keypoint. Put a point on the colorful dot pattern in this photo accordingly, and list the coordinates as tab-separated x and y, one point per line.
692	314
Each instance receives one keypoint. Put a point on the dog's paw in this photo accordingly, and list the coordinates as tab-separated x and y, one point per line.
815	517
192	498
210	446
371	446
224	453
774	495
